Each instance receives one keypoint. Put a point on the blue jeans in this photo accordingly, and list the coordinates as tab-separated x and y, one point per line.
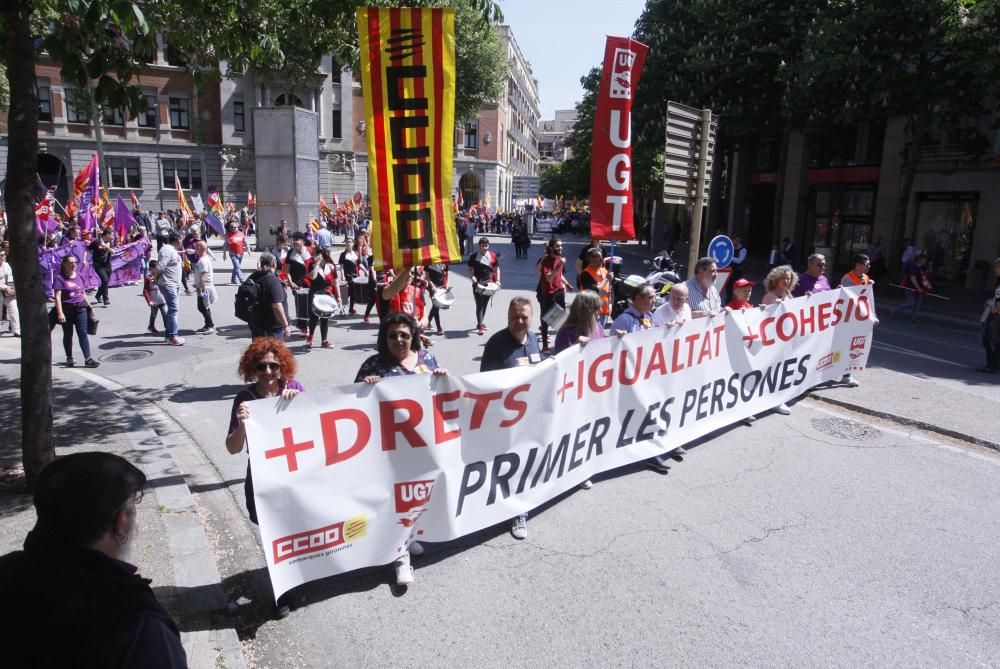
236	259
78	319
170	321
912	304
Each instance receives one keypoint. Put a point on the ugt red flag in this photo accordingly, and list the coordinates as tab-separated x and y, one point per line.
611	155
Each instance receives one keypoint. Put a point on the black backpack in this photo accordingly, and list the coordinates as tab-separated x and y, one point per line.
249	299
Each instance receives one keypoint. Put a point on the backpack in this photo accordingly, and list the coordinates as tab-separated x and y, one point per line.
249	298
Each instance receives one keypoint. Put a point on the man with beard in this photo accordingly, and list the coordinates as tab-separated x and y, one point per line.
70	598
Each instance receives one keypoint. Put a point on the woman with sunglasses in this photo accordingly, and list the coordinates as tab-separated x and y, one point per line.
73	309
400	354
269	367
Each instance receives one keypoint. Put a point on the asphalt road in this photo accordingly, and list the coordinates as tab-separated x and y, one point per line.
817	539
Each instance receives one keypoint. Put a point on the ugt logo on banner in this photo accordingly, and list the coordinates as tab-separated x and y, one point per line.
611	163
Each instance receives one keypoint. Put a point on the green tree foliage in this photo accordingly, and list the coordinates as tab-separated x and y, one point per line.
102	45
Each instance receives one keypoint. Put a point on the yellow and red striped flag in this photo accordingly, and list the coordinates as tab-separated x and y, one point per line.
408	74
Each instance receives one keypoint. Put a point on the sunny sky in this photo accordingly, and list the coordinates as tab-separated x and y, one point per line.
563	39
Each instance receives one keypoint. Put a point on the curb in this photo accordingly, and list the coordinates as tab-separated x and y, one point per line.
186	543
909	422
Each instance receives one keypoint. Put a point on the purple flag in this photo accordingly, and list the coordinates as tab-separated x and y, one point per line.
213	222
86	218
124	220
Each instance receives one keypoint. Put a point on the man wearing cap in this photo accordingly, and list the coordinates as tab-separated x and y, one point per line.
69	598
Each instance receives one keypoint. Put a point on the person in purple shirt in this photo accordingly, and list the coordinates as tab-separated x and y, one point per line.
73	310
269	367
581	325
812	280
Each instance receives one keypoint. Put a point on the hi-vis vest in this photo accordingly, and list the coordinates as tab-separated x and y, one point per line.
600	277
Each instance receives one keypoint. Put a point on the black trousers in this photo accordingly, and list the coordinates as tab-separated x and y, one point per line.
546	302
482	301
206	311
104	273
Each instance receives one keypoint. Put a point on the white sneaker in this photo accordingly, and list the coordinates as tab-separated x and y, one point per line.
783	409
849	381
404	573
587	485
416	548
519	528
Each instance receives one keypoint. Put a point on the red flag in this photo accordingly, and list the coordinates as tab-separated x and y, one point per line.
324	208
460	201
251	200
82	179
336	202
135	200
611	146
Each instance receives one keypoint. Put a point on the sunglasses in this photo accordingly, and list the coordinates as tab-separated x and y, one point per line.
263	366
400	336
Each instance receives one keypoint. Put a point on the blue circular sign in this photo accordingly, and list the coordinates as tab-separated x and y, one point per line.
721	250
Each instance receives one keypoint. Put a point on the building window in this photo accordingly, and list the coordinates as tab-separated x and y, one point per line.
180	116
239	116
187	171
124	172
174	57
335	130
76	106
150	117
471	132
112	116
44	100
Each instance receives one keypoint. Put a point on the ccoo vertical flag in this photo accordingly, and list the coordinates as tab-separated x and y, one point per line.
408	70
611	153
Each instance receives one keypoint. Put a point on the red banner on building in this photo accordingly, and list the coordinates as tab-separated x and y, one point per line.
611	155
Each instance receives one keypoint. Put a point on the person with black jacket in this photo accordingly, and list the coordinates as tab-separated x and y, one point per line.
100	258
69	598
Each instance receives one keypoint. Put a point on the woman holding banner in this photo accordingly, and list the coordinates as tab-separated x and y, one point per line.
269	367
399	354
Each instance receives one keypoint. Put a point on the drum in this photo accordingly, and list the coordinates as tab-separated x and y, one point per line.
362	289
325	305
443	299
487	289
302	308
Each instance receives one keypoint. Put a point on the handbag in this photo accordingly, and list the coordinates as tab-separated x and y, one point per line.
92	326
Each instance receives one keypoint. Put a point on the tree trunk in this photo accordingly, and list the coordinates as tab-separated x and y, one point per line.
37	448
779	192
920	123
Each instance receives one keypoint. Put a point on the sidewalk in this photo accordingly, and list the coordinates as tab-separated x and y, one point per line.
171	549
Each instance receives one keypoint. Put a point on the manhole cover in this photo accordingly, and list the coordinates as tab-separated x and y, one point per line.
844	428
126	356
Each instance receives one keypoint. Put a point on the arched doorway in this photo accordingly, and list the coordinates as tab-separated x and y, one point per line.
469	186
52	171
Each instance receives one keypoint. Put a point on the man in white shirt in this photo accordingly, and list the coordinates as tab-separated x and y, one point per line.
676	310
168	278
204	287
8	295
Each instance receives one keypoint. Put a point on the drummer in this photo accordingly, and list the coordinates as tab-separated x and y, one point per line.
323	281
485	269
437	278
350	263
405	292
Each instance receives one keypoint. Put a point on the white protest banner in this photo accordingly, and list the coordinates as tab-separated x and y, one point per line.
345	478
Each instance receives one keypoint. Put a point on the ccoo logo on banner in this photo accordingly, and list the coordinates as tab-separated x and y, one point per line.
611	162
347	477
408	74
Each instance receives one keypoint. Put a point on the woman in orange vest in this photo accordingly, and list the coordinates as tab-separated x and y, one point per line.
598	279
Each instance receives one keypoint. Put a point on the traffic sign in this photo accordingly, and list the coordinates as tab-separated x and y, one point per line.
683	153
721	250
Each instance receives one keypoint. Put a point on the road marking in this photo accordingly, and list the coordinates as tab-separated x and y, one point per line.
892	348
